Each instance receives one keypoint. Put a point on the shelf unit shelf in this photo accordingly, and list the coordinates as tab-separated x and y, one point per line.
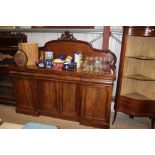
7	95
137	96
6	83
6	90
4	48
141	57
139	77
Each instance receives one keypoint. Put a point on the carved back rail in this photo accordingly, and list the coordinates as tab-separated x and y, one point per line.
68	45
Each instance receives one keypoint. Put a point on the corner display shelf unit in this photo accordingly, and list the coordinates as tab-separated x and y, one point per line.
135	94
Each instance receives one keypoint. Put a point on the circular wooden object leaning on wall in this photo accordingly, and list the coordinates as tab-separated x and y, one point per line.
20	58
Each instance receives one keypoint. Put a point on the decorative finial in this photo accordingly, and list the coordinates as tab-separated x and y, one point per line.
67	36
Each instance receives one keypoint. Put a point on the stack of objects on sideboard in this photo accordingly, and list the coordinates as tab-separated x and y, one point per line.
8	47
82	94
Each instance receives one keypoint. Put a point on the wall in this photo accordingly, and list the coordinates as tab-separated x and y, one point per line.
114	42
115	46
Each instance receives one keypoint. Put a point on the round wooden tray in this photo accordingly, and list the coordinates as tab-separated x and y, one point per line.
20	58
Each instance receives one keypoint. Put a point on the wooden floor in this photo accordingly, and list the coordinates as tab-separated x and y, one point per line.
8	114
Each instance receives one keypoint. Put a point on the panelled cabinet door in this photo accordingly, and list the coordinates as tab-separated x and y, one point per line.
48	97
26	95
69	99
96	102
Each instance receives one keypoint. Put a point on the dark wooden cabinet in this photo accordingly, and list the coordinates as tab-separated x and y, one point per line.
136	81
74	95
64	94
8	47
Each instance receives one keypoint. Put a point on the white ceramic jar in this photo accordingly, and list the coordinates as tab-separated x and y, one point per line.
49	55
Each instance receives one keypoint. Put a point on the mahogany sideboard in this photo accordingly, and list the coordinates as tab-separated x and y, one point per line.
72	95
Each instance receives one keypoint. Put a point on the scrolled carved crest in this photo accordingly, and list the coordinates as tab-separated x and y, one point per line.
67	36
